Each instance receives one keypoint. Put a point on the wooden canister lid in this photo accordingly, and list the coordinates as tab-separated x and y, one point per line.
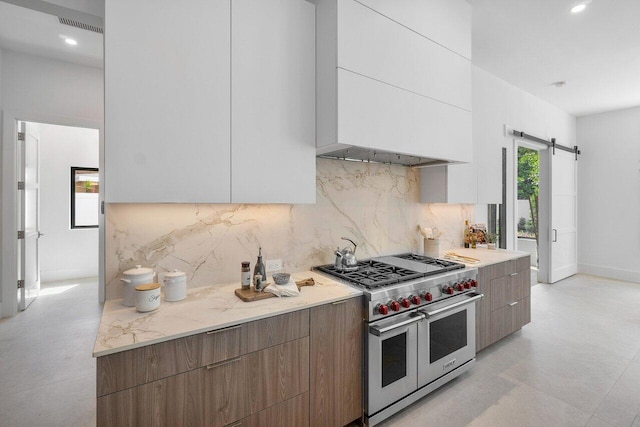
148	287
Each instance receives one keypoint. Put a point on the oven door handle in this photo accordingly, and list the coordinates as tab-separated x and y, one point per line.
474	298
416	317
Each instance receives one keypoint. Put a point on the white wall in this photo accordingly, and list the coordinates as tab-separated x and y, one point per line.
609	194
496	103
65	253
44	90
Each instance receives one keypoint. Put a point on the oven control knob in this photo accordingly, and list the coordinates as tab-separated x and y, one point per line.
473	283
467	284
405	302
382	309
449	290
460	287
395	305
427	296
415	299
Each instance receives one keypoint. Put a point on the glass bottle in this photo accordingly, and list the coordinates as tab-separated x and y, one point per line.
245	276
467	236
259	273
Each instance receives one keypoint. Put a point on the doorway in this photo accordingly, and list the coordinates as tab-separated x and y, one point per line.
68	195
527	207
63	252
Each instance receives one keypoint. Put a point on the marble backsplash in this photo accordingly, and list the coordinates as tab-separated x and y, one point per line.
375	205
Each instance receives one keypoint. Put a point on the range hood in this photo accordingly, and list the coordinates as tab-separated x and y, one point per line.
368	155
387	93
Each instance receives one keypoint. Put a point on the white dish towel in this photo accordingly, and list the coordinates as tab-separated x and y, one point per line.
290	289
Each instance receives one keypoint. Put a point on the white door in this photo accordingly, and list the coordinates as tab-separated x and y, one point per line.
563	233
29	218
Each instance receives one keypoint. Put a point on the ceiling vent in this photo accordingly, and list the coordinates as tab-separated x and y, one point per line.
82	25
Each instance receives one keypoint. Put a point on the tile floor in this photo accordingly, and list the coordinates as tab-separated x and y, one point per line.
576	364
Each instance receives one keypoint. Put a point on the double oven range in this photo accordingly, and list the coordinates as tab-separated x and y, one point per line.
419	327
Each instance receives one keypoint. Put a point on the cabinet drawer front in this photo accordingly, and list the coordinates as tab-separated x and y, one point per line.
217	394
510	318
223	344
277	373
277	330
291	413
129	368
510	288
375	46
158	403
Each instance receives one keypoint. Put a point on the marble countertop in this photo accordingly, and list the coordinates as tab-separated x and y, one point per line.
205	309
486	256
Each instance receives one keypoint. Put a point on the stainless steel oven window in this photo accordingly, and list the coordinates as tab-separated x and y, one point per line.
447	335
394	359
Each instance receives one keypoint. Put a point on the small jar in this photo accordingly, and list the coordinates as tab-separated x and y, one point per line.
245	278
132	278
258	283
175	286
147	297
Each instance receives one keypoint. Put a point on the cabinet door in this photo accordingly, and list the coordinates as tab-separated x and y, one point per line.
378	47
336	363
447	22
167	101
273	102
449	184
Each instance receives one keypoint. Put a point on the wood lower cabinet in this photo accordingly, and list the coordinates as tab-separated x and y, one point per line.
211	379
506	306
336	363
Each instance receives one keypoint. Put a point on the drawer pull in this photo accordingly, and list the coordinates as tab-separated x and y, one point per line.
224	330
513	274
339	302
226	362
513	303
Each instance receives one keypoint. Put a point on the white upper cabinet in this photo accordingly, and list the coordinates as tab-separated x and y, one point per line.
449	184
384	85
209	102
377	47
167	101
273	101
446	22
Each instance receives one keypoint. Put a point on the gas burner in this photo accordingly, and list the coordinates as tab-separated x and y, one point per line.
390	270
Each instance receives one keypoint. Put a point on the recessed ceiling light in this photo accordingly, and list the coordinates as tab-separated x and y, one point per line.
561	83
70	41
580	6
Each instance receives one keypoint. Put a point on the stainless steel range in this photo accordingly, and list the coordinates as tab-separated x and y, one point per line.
419	327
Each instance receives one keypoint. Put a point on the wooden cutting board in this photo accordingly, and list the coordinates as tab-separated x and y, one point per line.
249	295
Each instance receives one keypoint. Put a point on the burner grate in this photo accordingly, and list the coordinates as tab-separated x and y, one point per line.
373	274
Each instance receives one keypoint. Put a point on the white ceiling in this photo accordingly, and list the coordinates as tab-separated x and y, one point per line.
532	44
37	33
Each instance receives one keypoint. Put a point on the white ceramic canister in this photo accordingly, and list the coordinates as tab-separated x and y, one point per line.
131	278
147	297
175	286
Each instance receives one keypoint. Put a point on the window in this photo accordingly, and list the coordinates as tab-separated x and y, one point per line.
85	204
